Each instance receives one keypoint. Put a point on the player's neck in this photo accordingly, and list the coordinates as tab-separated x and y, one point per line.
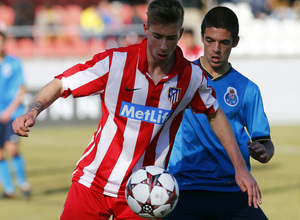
158	71
214	72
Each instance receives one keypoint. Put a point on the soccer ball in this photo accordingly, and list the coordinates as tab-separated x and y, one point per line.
152	192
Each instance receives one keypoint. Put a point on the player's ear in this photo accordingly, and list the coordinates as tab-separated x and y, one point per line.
236	41
181	32
202	37
145	29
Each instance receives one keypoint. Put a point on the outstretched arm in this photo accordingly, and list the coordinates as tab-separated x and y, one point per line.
244	179
46	96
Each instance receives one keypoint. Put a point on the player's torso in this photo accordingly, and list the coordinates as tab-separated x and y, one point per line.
211	168
10	80
138	122
230	89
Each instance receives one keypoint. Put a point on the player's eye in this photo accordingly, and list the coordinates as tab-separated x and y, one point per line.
172	38
226	42
157	36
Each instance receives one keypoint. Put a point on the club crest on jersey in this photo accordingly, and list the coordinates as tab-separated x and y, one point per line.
231	98
174	94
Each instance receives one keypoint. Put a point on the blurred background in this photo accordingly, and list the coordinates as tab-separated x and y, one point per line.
50	36
53	35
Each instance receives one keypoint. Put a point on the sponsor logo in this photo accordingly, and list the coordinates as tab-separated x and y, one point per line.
231	98
128	90
174	94
144	113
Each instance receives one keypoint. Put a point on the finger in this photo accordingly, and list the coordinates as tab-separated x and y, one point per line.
250	197
255	197
263	156
20	128
22	131
253	146
260	150
259	195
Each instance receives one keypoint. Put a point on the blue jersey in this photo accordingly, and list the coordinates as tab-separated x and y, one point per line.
198	160
11	78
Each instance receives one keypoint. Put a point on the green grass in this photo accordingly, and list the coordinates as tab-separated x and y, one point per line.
51	154
279	180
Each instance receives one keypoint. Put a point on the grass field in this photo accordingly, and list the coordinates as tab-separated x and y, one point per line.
51	154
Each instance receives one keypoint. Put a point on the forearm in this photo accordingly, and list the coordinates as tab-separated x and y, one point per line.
223	131
46	96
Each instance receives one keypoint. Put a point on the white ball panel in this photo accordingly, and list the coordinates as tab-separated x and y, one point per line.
138	176
134	205
158	196
162	211
153	170
141	192
166	181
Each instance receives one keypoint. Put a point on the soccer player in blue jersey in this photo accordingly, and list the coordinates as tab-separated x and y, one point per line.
12	90
204	172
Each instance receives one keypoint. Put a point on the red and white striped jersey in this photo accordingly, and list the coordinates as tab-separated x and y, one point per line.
139	119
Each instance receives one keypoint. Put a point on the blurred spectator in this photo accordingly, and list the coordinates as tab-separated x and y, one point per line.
260	8
296	7
24	15
121	13
136	18
193	3
191	50
283	9
48	21
7	15
105	12
92	24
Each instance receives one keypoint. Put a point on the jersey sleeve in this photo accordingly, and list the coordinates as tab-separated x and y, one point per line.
86	79
257	122
204	100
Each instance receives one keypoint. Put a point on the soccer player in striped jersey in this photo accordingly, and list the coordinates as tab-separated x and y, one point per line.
203	169
144	90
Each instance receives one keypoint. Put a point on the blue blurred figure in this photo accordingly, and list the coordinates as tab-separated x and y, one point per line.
12	90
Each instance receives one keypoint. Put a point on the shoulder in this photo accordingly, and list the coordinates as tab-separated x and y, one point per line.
12	59
238	76
244	82
11	63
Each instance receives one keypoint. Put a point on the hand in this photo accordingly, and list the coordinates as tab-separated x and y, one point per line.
22	123
247	183
258	151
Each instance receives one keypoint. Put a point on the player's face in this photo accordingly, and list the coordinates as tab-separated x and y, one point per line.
218	43
162	41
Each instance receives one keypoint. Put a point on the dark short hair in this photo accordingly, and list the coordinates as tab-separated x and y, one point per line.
164	12
221	17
